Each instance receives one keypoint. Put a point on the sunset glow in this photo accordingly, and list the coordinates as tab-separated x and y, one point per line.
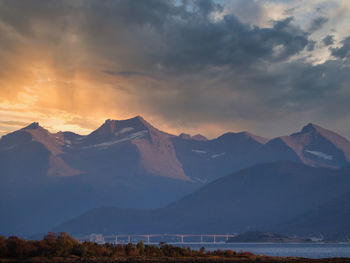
72	65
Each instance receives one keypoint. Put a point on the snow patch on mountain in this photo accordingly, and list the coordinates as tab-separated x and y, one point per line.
105	145
321	155
199	151
124	130
202	181
217	155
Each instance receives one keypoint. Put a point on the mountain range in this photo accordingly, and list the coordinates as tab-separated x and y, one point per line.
49	178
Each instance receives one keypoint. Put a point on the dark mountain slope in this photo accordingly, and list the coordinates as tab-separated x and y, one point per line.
330	221
253	198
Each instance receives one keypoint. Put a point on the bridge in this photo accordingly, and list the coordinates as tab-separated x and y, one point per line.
157	238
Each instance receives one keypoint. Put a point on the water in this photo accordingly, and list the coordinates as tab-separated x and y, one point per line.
310	250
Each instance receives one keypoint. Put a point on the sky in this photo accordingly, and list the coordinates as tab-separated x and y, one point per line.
194	66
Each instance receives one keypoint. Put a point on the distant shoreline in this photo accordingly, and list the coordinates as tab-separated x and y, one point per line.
62	248
262	259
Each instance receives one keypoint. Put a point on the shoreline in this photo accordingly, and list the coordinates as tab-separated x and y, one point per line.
251	259
62	248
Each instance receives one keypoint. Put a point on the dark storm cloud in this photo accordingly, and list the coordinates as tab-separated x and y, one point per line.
159	34
163	36
193	68
318	23
343	51
311	46
328	40
230	43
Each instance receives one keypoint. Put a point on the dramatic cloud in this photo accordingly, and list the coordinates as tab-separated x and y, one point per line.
317	23
328	40
311	46
344	50
194	66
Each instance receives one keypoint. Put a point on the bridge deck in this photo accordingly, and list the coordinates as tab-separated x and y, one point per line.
169	238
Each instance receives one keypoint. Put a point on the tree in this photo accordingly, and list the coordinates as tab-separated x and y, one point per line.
64	244
130	249
80	250
50	238
3	247
31	249
141	248
16	247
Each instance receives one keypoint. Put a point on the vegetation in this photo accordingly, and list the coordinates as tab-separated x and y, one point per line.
63	245
64	248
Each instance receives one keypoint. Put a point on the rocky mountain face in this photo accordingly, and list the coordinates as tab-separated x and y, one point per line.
206	160
129	148
35	150
313	145
131	164
135	147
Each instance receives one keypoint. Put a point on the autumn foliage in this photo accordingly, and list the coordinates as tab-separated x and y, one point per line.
63	245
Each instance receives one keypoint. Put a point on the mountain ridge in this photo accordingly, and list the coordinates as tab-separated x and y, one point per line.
131	164
183	157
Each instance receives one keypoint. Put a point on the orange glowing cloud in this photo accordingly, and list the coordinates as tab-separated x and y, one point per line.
202	69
